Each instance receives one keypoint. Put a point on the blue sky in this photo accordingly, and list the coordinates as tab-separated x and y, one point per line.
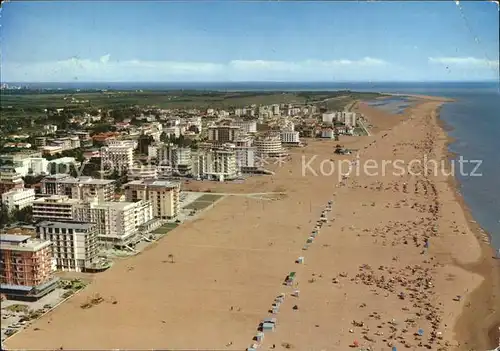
248	41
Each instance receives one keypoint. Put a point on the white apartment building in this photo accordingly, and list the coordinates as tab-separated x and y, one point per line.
18	199
163	195
54	208
269	146
10	179
246	126
133	143
50	128
32	166
221	165
329	117
172	131
63	164
348	118
216	164
117	223
142	172
275	109
117	157
152	151
245	157
177	159
82	188
289	137
74	245
181	156
223	134
27	162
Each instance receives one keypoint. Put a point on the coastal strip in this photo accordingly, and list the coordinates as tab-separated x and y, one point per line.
394	259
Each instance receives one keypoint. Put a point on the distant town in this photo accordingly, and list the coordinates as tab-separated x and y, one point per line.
87	185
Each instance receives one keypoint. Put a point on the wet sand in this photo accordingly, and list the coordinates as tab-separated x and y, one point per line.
366	279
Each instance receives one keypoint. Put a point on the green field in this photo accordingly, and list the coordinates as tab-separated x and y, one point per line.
37	101
202	202
164	229
167	99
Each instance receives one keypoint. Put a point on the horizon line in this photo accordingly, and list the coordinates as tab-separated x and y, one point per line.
256	81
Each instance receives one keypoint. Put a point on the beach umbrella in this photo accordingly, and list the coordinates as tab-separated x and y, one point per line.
420	332
394	348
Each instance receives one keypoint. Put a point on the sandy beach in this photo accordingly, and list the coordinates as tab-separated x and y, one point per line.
398	263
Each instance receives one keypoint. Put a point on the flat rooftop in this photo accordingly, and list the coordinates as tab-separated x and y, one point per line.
22	242
68	225
13	238
154	182
117	205
65	179
56	199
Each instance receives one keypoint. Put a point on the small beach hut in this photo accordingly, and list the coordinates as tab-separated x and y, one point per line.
268	326
259	337
300	260
270	320
296	293
310	240
305	247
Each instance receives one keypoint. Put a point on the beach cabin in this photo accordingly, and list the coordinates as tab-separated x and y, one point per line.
270	320
267	326
290	278
259	337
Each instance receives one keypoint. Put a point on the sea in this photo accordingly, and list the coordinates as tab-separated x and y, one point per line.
473	119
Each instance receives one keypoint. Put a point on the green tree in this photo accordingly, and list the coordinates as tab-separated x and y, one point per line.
5	217
23	215
164	137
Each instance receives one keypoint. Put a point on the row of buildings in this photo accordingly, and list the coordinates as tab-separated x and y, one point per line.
33	163
74	219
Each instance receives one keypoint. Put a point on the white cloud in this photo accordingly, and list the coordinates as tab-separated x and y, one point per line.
471	62
105	69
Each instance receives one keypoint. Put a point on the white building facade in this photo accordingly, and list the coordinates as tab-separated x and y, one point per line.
74	245
117	223
117	157
18	199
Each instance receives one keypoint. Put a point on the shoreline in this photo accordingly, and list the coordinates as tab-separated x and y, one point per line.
487	266
266	243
